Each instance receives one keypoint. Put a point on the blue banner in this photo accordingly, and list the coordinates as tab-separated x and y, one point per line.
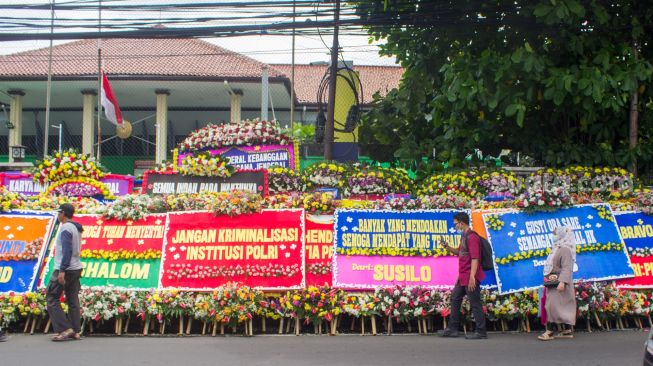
520	242
402	234
636	230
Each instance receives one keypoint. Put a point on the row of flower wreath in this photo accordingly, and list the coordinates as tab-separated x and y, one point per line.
232	305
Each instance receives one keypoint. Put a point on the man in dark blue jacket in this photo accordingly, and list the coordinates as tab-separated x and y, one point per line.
65	278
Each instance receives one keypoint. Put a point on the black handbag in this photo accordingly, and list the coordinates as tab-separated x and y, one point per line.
552	280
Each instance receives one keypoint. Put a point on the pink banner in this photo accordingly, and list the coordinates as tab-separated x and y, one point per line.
367	272
256	157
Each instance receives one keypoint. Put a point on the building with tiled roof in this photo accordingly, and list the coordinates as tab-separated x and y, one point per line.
186	82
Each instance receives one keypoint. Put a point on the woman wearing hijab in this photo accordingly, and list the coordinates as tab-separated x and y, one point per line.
560	302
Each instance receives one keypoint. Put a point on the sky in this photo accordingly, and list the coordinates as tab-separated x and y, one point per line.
265	48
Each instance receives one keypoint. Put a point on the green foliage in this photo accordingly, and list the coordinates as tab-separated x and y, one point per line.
552	79
300	133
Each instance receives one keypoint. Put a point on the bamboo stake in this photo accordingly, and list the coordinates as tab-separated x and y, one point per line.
47	326
29	320
189	326
465	327
145	328
503	325
204	328
296	326
373	325
127	325
215	329
419	326
288	327
389	325
38	324
181	325
598	321
221	328
589	326
316	328
334	325
362	326
353	323
162	327
425	326
263	325
90	326
528	325
281	325
444	322
410	327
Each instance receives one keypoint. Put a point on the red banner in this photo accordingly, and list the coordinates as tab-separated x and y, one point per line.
643	268
203	251
319	249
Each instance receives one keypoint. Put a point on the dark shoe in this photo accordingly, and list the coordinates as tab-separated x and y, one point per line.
3	337
476	335
448	333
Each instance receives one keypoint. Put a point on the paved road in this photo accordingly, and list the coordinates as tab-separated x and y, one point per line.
606	348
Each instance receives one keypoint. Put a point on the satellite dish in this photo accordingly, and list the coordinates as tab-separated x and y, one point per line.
124	130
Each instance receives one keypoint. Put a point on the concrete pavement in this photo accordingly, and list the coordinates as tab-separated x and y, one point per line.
619	348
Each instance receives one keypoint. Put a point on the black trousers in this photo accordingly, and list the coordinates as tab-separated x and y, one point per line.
474	297
60	321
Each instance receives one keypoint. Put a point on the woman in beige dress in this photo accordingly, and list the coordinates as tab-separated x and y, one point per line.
560	301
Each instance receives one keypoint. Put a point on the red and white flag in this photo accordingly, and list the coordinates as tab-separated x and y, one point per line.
109	102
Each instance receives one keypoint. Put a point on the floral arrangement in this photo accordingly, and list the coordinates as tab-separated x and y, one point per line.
604	213
644	201
122	254
544	200
327	174
30	251
131	207
498	184
377	180
461	183
604	182
165	167
319	268
206	165
495	223
233	304
284	180
10	200
179	271
245	133
236	203
319	203
534	253
398	204
395	252
69	164
83	205
446	201
78	187
280	201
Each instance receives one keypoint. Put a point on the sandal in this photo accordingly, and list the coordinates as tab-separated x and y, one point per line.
546	336
567	334
64	336
76	337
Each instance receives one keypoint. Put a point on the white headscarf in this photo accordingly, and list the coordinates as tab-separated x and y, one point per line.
564	237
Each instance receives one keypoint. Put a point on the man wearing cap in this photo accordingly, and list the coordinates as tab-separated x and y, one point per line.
65	278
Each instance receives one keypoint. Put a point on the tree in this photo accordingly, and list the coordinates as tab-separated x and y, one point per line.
553	79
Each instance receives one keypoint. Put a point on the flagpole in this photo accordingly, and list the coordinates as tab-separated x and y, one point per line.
99	80
48	86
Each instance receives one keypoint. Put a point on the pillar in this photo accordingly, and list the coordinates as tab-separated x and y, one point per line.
236	101
16	119
265	93
87	120
161	124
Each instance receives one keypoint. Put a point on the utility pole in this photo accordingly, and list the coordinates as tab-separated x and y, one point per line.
328	128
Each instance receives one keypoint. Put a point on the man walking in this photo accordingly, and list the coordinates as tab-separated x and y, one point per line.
470	275
65	278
